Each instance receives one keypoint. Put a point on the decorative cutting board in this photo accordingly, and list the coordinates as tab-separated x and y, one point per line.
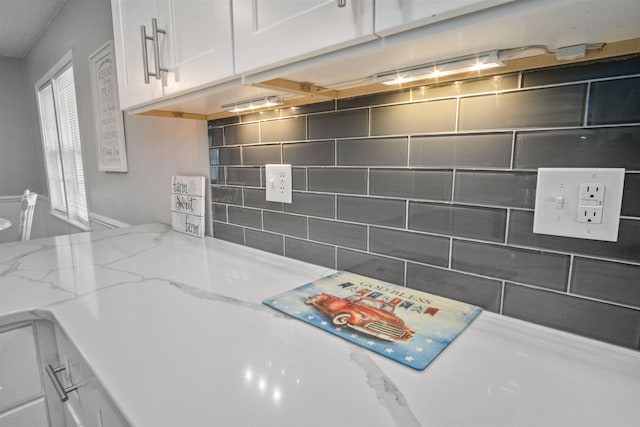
403	324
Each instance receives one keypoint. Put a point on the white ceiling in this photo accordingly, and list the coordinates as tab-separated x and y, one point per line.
22	22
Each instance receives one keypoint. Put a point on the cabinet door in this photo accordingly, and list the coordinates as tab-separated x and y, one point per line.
267	32
393	16
128	16
19	369
199	44
31	414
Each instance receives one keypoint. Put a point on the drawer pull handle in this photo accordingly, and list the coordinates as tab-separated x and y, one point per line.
156	45
145	59
342	3
62	392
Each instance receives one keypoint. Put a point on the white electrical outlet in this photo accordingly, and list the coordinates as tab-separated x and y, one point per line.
278	183
579	202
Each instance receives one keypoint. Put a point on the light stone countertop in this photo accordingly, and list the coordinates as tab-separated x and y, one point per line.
174	329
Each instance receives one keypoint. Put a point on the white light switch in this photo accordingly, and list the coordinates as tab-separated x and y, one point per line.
579	202
278	183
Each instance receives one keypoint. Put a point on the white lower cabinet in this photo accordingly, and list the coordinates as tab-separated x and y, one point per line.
88	405
22	401
45	381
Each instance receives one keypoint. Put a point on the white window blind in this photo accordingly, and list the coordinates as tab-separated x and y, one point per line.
61	143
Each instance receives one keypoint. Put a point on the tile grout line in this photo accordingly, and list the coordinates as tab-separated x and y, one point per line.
453	184
585	120
503	287
506	227
513	150
571	262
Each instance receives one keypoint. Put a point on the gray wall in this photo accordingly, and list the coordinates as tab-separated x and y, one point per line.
434	188
156	147
20	154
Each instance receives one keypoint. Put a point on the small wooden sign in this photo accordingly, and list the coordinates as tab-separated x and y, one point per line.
187	204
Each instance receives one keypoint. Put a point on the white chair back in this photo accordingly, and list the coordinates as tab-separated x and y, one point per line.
27	206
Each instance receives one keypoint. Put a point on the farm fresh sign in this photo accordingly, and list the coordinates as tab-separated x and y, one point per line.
187	204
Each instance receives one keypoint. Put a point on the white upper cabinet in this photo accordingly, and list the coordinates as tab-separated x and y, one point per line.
393	16
269	33
200	50
128	16
193	45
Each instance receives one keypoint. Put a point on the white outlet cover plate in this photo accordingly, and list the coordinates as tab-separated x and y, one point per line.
551	219
278	183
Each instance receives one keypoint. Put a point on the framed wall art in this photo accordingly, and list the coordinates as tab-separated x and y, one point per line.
110	142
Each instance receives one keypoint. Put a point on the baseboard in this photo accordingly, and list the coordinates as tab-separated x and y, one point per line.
106	221
10	199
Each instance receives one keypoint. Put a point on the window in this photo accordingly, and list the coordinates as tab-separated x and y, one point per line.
61	143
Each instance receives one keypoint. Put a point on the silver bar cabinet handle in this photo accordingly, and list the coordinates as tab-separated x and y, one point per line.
145	59
342	3
156	46
62	392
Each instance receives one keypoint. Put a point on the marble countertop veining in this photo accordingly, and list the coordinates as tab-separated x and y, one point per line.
174	329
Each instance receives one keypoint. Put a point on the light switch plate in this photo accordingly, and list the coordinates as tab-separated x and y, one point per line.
579	202
278	183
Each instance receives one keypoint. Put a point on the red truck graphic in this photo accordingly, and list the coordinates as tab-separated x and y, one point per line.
367	315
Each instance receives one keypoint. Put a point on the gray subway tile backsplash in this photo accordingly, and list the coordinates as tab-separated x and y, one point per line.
229	195
509	189
225	156
219	212
616	147
257	198
411	183
414	118
245	216
475	290
580	72
317	153
342	180
457	220
626	248
338	233
290	225
547	107
631	195
242	134
602	321
539	268
387	269
312	252
312	204
291	129
215	136
376	211
339	124
243	176
418	247
268	242
261	154
216	174
228	232
490	150
434	187
373	152
614	101
299	179
592	278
